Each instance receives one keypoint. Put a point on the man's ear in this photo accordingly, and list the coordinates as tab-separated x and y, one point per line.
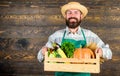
65	17
81	16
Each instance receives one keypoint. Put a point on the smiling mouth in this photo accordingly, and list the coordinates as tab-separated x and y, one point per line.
73	20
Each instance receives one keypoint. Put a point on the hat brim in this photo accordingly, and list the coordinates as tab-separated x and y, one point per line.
77	6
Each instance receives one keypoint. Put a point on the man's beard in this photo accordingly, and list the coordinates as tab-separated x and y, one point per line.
73	24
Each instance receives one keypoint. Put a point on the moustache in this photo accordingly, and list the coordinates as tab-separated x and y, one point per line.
72	18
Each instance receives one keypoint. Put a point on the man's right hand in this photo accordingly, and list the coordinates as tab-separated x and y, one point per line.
44	49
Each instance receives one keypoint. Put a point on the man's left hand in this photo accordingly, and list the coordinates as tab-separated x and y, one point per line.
99	51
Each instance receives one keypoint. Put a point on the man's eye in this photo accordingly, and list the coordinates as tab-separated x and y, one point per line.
68	12
76	13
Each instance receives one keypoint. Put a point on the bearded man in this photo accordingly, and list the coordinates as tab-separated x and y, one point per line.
74	13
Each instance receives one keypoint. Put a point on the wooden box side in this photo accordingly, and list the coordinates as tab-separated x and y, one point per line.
72	64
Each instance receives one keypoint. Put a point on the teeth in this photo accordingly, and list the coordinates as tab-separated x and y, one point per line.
72	20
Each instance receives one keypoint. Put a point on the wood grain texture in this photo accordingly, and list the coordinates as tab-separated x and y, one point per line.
26	25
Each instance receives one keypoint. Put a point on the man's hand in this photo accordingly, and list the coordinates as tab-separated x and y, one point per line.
44	49
99	51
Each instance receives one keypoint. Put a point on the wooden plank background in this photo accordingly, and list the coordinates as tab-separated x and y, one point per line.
25	26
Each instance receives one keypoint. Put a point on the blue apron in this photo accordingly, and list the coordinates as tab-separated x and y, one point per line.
77	44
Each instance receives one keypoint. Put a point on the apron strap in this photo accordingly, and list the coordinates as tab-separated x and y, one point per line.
83	34
63	36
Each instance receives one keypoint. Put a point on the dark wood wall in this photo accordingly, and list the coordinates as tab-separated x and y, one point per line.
26	24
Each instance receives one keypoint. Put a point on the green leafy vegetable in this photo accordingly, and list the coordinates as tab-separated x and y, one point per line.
68	48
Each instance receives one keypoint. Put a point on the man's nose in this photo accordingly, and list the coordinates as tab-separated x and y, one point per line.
72	15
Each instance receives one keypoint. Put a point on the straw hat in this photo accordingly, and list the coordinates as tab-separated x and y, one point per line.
74	5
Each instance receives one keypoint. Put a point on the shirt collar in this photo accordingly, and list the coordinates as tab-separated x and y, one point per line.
77	32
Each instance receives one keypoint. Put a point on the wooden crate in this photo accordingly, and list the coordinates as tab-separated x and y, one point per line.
72	64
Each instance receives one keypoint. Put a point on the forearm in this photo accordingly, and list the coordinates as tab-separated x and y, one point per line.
106	51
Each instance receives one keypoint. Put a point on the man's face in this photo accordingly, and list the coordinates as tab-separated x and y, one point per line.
73	18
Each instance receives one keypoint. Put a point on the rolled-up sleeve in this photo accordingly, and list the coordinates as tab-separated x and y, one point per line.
40	57
107	54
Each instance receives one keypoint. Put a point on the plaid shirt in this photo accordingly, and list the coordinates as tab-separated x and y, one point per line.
90	37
